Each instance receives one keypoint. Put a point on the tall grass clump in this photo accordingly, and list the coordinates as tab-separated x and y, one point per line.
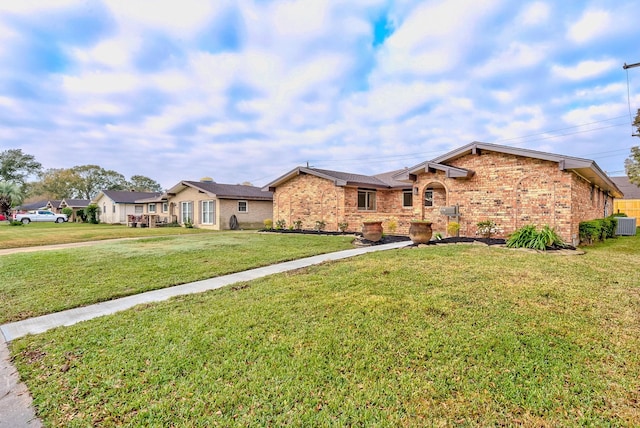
530	237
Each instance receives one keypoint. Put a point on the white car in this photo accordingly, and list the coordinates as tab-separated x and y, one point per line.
40	215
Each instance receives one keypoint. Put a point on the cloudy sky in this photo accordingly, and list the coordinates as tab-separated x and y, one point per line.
247	90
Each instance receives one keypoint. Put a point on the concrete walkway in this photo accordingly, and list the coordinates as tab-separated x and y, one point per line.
15	402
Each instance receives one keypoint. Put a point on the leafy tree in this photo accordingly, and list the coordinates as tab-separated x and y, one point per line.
91	179
10	194
55	183
636	123
140	183
16	166
632	166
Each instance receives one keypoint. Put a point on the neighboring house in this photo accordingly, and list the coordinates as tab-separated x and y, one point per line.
512	187
208	204
116	205
38	205
76	205
630	203
53	205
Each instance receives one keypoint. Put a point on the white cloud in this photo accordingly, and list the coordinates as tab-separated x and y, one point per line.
516	56
534	14
591	25
28	7
593	113
584	69
182	19
101	83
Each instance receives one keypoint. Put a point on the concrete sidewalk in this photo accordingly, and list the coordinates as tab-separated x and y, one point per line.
15	402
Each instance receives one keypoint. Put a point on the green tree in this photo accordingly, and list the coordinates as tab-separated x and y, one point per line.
632	166
140	183
10	195
91	179
636	123
16	166
55	183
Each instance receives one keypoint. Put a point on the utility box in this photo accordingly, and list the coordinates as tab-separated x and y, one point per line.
626	226
449	211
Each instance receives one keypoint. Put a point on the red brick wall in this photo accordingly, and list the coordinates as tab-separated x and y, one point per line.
310	199
512	191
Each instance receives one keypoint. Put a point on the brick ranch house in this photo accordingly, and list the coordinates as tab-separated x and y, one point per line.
511	186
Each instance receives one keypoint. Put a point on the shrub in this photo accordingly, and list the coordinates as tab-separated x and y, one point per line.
297	224
68	211
16	223
268	223
529	237
91	213
188	223
597	230
343	226
392	226
320	224
487	228
453	228
281	224
619	215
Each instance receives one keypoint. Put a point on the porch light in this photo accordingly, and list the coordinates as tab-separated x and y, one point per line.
415	190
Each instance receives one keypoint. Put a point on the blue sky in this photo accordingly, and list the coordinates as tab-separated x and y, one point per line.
247	90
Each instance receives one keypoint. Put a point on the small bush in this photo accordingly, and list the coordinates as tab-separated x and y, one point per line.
16	223
392	225
597	230
320	224
487	228
68	211
188	223
342	226
91	213
281	224
453	228
268	223
297	224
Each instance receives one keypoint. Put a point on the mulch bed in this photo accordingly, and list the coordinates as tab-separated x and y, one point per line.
389	239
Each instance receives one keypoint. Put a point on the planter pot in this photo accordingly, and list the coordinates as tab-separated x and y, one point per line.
420	232
372	230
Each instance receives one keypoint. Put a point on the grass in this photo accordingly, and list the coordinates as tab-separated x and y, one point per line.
34	234
42	282
440	336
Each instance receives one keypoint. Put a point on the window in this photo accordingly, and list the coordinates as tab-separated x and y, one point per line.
165	207
186	212
428	198
243	207
407	198
139	209
152	208
366	200
208	212
113	208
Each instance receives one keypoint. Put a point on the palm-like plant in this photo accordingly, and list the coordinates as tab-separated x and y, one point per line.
10	194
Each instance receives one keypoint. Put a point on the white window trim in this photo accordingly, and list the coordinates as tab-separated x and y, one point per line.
213	211
151	211
182	205
165	207
246	205
430	191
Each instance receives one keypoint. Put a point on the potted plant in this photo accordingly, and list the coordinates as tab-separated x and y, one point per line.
372	230
420	231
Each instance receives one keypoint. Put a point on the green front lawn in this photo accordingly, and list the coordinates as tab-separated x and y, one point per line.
441	336
42	282
34	234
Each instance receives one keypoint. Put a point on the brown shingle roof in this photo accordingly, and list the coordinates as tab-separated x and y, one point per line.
229	191
630	190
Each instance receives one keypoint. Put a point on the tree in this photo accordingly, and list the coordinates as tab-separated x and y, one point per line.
140	183
91	179
55	183
10	194
636	123
632	166
16	166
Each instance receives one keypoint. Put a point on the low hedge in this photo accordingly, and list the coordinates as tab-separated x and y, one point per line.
597	230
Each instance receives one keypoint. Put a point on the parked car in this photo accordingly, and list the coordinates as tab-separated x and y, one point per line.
40	215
